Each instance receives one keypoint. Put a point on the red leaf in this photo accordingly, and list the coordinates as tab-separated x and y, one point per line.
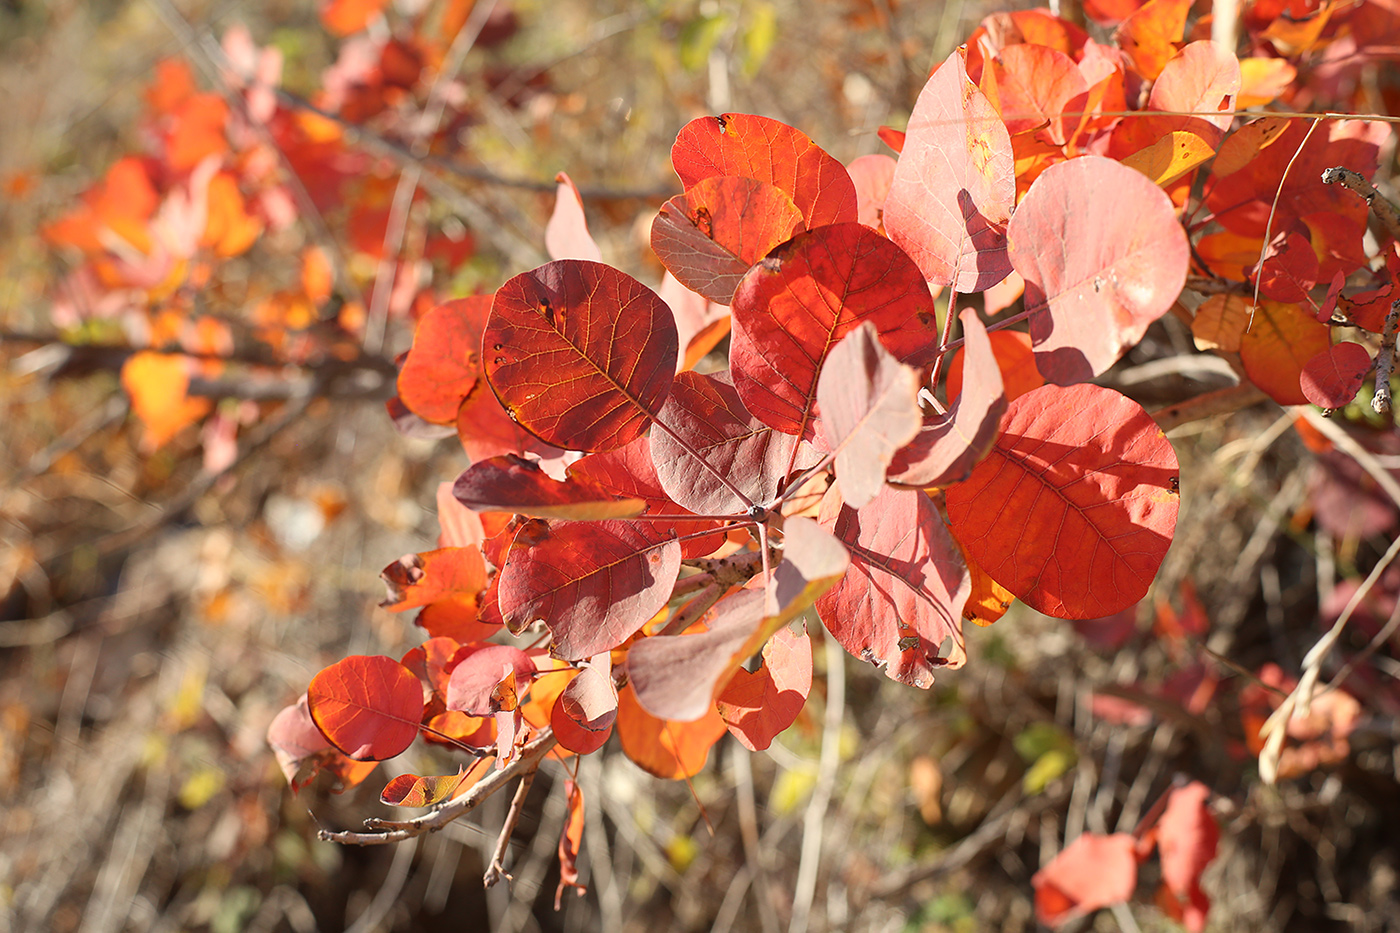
1103	257
570	842
1289	271
472	687
807	294
486	430
738	451
758	706
1187	839
1091	872
445	359
771	152
700	323
630	472
1035	84
434	660
948	446
1332	378
368	706
1014	358
710	236
872	175
593	583
566	235
580	354
661	747
1074	508
954	185
584	714
1277	345
302	751
514	484
677	676
870	409
411	790
902	596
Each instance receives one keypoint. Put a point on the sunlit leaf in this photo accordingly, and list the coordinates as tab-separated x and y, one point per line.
1278	343
1331	379
583	716
666	749
514	484
445	360
566	234
368	706
757	706
1091	872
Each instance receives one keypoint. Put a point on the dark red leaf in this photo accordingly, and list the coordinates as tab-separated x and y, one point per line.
902	596
947	447
1091	872
758	706
954	185
1289	270
710	236
807	294
584	714
445	359
593	583
740	456
768	151
368	706
1103	257
580	354
1332	378
486	430
514	484
1074	508
472	687
870	409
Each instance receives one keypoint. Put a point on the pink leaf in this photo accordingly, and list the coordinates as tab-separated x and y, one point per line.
566	235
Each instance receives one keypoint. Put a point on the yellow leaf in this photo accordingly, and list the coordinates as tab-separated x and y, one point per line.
1170	157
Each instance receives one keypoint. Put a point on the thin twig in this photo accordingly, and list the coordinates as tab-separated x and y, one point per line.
497	869
809	862
1269	224
1357	184
748	832
386	831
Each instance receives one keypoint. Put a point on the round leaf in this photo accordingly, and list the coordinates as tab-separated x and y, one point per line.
369	707
1332	378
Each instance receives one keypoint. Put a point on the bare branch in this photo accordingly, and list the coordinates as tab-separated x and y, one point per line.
497	870
386	831
1385	211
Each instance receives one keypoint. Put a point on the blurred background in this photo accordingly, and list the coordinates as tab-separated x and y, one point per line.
291	184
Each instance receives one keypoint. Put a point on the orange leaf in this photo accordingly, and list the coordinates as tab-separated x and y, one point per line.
457	573
1220	322
1149	37
662	747
342	17
1276	347
157	385
1171	157
1015	359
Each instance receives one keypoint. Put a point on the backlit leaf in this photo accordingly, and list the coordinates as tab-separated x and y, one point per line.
947	446
368	706
1289	270
872	175
1091	872
454	573
580	354
1220	322
710	236
1014	357
584	714
566	234
870	409
954	185
570	842
445	360
666	749
901	599
1332	378
514	484
796	303
1277	345
771	152
1149	37
758	706
1103	257
302	751
593	583
157	384
411	790
471	688
1187	839
1075	506
1034	86
737	451
1170	157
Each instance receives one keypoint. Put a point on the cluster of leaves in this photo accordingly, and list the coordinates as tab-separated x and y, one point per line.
159	250
653	531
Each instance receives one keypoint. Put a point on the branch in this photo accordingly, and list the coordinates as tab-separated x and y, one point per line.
1385	361
386	831
497	871
1385	211
1220	402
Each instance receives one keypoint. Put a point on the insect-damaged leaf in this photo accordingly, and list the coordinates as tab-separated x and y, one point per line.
954	185
870	409
758	706
738	452
1332	378
1074	507
1091	872
902	596
580	354
1277	345
710	236
449	583
368	706
947	446
661	747
677	676
771	152
593	583
514	484
445	359
803	297
1103	257
411	790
